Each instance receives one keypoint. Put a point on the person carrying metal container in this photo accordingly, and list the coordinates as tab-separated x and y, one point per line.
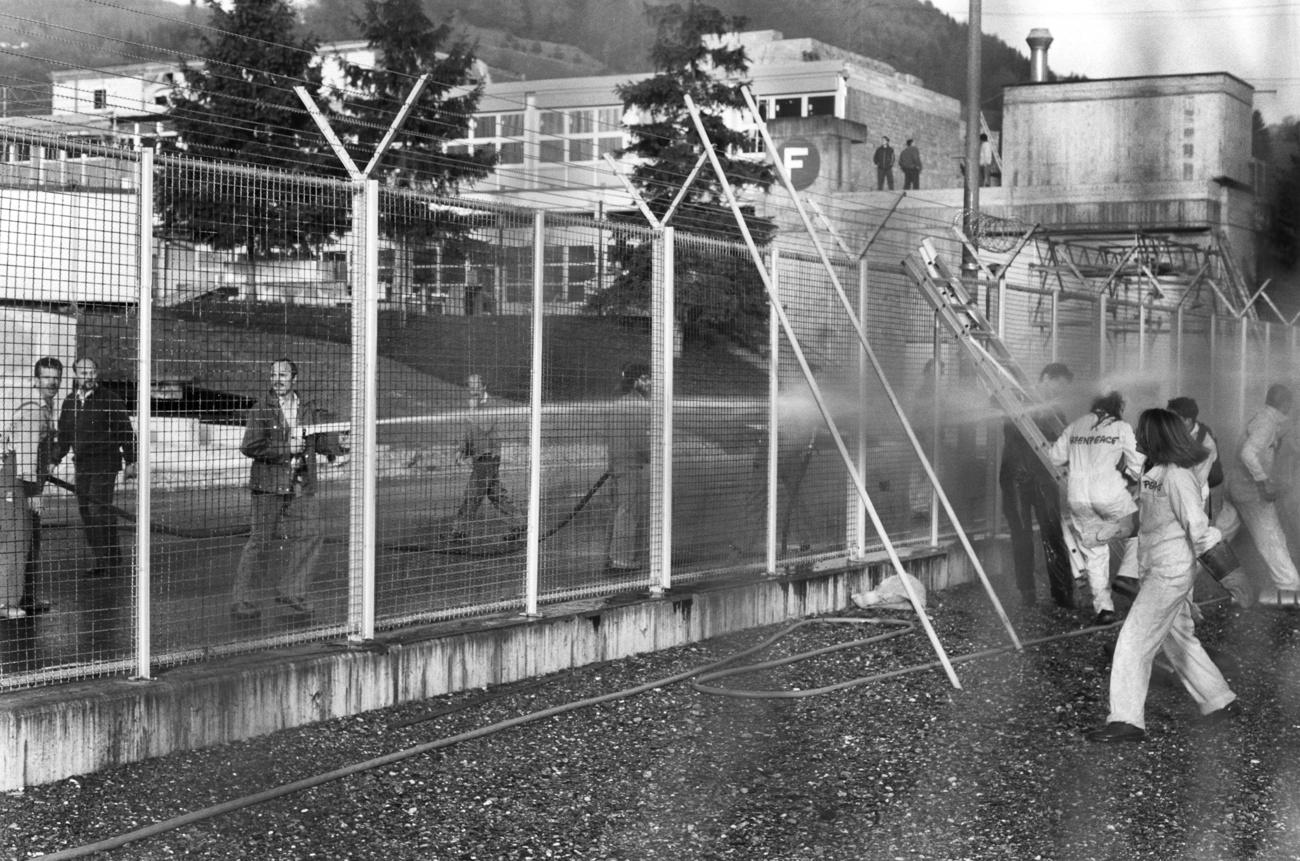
1174	532
1101	458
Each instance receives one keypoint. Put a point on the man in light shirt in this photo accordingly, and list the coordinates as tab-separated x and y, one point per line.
283	484
1252	493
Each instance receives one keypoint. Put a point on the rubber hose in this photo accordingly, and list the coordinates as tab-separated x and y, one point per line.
705	673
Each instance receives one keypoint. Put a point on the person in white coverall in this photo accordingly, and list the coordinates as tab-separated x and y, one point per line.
1174	531
1252	493
1099	452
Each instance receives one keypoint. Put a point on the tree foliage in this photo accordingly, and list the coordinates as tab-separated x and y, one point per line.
692	55
240	106
407	45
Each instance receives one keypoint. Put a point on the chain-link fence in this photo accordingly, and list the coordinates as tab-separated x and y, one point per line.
368	408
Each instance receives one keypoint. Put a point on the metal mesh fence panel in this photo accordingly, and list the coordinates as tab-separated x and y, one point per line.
251	354
69	239
454	376
509	405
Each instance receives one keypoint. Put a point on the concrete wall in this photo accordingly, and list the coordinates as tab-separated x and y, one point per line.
50	733
1176	128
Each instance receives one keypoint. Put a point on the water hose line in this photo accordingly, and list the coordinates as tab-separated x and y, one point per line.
699	676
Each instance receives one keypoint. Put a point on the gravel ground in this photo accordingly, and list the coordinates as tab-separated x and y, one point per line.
903	768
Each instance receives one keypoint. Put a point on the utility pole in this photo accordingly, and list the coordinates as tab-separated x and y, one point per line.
971	199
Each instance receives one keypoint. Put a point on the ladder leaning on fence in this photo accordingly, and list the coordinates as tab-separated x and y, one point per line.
993	362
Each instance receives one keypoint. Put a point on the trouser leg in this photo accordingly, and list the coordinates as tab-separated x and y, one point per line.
1158	603
306	538
629	505
252	559
1016	509
1265	530
1196	671
1095	563
1056	556
94	503
15	541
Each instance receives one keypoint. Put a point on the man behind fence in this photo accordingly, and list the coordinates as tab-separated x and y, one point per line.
278	438
482	448
629	457
29	442
96	427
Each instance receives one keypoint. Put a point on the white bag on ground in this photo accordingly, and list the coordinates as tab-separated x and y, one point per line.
890	594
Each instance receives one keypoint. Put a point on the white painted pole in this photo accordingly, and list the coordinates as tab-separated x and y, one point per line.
661	401
852	317
773	482
1243	367
144	414
365	413
815	389
532	558
858	537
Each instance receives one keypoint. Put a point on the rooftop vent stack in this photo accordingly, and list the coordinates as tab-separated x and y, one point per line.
1039	39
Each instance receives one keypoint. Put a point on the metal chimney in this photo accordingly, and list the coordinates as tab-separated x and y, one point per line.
1040	39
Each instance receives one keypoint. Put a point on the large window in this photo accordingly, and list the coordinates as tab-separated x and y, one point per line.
803	105
99	99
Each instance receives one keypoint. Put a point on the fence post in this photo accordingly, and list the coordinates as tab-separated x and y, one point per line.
662	329
1242	367
1214	363
1177	369
532	559
365	411
857	537
1142	334
144	410
773	477
1055	333
1101	336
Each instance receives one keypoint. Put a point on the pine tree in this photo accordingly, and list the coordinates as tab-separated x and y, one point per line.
407	45
693	53
239	106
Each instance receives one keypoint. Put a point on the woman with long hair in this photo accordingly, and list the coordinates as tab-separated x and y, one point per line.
1100	455
1174	531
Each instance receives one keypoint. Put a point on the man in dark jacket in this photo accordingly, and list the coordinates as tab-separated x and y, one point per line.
1030	491
883	158
279	439
95	426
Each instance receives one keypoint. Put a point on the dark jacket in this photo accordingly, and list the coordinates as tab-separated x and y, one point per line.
266	440
98	432
1019	461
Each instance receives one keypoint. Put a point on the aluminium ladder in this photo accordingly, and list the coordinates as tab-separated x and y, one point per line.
993	362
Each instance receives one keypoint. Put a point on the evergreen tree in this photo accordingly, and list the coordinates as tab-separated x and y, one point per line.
239	106
407	45
715	292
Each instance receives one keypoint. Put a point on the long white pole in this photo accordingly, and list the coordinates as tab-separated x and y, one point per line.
144	409
799	356
884	380
532	563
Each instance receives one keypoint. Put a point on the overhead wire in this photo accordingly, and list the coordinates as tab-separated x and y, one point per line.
533	184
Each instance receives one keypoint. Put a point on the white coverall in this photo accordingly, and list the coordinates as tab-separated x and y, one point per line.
1096	496
1129	564
1254	463
1174	531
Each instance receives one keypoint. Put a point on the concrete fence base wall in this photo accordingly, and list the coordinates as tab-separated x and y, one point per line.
51	733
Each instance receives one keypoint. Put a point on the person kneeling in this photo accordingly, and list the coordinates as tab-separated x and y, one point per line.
1174	531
